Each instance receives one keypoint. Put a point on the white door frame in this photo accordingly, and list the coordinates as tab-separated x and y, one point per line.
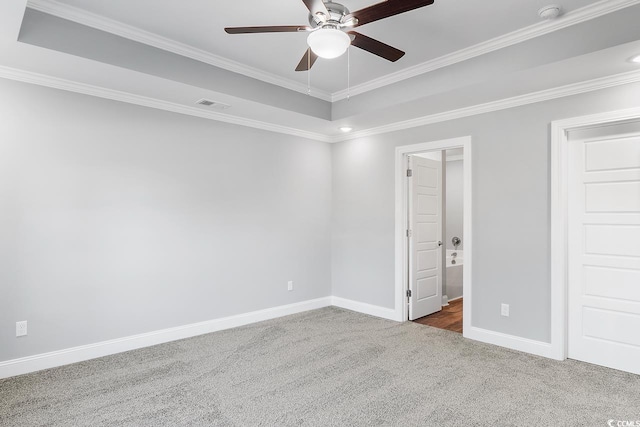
560	218
401	251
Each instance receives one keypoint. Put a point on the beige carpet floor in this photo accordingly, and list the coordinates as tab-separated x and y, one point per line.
328	367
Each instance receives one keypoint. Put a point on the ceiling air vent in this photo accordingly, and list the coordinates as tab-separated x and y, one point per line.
213	104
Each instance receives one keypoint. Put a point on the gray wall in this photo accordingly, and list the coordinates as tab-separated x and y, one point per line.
117	220
454	202
511	209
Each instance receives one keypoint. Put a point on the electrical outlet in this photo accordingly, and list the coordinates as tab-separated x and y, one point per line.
21	328
290	285
504	310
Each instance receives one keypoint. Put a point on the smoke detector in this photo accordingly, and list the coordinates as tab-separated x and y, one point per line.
550	12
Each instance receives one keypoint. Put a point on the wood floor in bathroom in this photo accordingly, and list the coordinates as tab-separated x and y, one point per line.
450	318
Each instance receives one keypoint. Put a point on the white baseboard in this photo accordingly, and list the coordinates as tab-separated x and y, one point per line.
513	342
52	359
361	307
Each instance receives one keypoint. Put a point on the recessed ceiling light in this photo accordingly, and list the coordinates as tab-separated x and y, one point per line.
346	129
635	59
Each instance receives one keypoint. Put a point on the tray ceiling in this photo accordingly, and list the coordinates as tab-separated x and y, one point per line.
446	26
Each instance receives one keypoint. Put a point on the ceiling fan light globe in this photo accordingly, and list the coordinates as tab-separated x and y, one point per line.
328	43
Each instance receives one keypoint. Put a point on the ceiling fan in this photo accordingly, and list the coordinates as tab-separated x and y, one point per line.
330	27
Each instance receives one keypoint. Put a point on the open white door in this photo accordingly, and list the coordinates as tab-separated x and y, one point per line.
604	252
425	237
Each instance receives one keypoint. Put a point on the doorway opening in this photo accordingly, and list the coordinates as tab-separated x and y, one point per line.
433	240
436	238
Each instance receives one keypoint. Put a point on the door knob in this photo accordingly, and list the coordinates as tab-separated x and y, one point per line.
439	242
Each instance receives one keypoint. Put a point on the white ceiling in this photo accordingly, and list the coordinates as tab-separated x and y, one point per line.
444	27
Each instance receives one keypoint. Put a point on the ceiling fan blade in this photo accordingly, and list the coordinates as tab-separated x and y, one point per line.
386	9
307	61
267	29
316	6
376	47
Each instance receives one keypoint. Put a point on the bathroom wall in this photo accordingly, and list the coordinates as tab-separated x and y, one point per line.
454	202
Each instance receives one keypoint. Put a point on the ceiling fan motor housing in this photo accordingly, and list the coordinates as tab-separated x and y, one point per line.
337	12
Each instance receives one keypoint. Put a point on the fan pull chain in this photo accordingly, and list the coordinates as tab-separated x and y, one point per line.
348	74
309	72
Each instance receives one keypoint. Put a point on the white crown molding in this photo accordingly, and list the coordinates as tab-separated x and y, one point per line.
81	16
502	104
100	92
578	16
